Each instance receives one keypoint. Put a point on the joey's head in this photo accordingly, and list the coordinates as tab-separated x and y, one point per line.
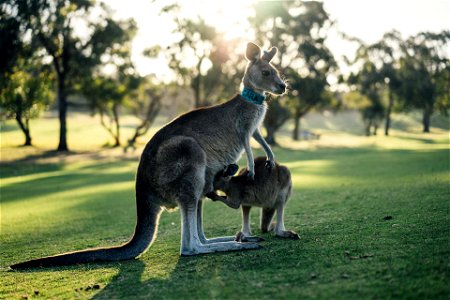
222	178
260	75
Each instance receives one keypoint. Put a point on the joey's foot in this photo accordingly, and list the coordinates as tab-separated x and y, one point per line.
288	234
242	238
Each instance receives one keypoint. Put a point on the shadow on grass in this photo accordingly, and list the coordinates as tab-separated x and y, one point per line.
60	183
101	171
47	161
217	275
421	139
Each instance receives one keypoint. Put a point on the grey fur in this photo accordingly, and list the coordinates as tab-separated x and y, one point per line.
178	165
270	190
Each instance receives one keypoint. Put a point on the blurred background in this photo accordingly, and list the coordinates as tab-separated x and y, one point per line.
82	75
363	128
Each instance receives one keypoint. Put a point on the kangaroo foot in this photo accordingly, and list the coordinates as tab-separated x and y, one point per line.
242	238
288	234
219	247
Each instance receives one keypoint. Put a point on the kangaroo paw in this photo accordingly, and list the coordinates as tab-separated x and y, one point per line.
288	234
242	238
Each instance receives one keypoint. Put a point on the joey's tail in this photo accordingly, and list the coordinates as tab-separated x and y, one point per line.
148	212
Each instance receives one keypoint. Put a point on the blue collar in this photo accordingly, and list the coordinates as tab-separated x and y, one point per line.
252	96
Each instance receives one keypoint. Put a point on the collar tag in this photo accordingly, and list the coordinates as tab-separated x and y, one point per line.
252	96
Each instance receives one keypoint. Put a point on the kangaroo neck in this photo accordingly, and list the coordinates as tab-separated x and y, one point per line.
252	96
246	82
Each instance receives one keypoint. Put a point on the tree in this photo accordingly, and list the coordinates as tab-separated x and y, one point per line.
27	91
52	25
201	59
298	29
387	53
145	104
107	95
424	74
11	45
24	80
108	91
368	82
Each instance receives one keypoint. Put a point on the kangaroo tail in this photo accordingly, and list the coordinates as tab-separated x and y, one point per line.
148	213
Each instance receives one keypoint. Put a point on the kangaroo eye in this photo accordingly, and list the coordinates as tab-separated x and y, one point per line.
265	73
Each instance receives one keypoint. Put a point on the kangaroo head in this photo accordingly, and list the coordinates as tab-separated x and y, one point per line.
260	75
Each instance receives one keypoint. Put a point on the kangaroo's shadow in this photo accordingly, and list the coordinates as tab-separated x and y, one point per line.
146	278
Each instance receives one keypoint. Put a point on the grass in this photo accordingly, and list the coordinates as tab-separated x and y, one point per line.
344	188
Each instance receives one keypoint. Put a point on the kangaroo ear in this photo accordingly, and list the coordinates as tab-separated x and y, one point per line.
253	52
230	170
268	55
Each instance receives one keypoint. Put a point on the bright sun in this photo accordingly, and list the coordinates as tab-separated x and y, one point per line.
230	17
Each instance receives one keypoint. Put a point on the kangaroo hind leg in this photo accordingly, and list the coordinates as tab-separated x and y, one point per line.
183	162
280	230
246	235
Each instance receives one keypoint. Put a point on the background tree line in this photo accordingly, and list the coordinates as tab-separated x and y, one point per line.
45	59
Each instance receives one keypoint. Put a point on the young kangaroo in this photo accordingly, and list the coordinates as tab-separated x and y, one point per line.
178	165
270	190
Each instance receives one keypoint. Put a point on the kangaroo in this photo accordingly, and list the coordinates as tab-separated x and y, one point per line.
178	165
270	190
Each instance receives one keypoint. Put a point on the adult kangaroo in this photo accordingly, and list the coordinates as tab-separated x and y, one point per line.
178	165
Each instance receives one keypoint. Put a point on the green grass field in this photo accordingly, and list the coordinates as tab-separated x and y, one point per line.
344	188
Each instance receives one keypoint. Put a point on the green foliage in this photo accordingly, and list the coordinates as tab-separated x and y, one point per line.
11	44
425	69
74	57
424	73
378	70
25	91
298	29
145	104
106	96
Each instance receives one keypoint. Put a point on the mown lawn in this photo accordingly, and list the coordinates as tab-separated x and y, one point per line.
373	215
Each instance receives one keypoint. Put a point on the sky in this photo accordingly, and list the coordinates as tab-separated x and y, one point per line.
364	19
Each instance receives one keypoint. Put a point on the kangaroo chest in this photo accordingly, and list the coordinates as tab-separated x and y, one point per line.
230	146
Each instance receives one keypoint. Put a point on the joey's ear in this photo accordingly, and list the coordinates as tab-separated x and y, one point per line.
268	55
230	170
253	52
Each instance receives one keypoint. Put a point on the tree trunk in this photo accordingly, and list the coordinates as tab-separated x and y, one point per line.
25	129
368	127
116	121
27	133
426	119
62	107
296	132
387	124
